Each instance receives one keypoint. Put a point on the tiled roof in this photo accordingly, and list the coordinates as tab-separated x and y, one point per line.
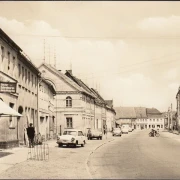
125	112
79	83
152	111
67	79
140	112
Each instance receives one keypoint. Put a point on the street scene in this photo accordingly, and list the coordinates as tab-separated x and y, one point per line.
89	90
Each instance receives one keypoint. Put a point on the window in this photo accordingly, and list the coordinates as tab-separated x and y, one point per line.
68	101
8	53
26	74
19	67
11	123
32	80
2	52
14	61
29	76
69	122
22	72
80	133
35	81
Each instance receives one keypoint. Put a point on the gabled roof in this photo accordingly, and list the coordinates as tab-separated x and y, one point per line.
140	112
125	112
6	38
64	77
80	83
152	111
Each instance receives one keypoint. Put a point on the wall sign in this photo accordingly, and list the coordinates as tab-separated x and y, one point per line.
8	87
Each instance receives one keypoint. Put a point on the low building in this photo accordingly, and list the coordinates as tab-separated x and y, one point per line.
153	119
140	117
47	121
125	115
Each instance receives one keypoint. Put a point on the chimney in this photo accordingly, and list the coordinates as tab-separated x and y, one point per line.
70	71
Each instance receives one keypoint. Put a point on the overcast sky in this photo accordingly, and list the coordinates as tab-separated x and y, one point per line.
129	51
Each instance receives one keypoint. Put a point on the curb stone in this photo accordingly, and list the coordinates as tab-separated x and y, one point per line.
87	160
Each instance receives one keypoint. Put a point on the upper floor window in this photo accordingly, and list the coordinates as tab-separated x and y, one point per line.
19	67
14	62
29	77
22	72
8	53
32	80
68	101
26	74
2	52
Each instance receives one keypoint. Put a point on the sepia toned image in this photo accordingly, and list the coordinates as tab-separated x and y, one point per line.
89	90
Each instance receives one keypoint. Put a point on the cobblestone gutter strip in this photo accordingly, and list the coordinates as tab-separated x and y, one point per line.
87	160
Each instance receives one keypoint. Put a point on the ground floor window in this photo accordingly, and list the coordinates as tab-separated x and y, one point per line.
69	122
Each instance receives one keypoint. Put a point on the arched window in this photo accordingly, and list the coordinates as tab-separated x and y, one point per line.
68	101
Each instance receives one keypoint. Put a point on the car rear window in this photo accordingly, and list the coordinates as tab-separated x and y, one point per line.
69	133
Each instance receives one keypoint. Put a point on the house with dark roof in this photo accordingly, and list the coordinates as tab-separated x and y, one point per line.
125	115
103	110
74	102
140	117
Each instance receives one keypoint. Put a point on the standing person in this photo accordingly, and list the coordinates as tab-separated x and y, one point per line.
31	134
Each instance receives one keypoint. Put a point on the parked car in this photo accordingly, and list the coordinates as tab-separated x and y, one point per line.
130	129
94	133
71	137
117	132
125	128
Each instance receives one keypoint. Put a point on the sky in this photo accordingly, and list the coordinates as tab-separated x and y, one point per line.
128	50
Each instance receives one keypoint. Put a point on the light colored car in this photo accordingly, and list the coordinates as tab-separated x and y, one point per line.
94	133
71	137
130	129
117	132
125	128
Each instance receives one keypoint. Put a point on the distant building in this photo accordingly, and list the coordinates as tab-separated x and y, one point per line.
140	117
125	115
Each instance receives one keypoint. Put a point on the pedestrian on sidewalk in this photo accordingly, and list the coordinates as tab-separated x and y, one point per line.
31	134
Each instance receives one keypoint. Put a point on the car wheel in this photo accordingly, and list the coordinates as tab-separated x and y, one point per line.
60	145
82	145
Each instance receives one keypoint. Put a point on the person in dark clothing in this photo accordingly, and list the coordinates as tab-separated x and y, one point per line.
31	134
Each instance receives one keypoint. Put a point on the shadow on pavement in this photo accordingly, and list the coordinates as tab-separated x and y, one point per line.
2	154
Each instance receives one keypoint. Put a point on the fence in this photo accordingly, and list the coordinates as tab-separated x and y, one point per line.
39	152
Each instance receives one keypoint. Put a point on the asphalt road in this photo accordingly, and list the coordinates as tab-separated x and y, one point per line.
138	156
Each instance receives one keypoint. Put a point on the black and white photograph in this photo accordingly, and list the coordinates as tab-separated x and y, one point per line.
89	89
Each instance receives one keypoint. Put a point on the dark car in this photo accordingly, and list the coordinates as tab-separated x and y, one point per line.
93	133
117	132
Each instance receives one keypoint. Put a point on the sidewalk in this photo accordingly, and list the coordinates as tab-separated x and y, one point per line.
19	154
